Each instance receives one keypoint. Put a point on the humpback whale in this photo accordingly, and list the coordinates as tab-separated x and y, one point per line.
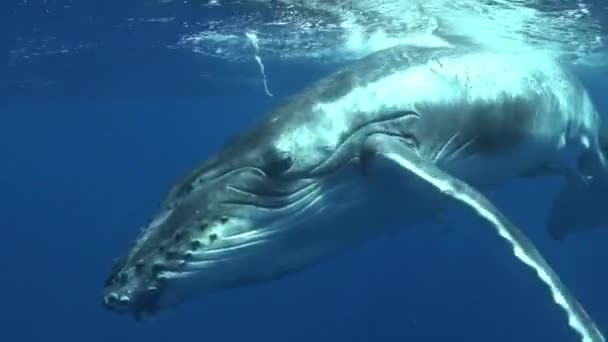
387	141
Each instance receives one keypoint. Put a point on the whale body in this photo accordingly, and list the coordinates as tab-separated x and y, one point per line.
388	141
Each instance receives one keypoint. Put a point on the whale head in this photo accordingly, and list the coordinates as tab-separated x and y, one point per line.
215	229
251	213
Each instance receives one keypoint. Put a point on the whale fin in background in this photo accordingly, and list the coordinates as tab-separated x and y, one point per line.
582	203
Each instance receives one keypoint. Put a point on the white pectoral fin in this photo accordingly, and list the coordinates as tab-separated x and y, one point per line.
385	152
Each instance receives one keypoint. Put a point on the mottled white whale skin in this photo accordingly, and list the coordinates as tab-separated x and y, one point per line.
294	190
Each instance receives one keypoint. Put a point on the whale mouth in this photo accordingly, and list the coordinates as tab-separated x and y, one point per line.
141	307
134	289
220	234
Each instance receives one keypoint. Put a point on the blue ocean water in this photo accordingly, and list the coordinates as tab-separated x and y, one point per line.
99	117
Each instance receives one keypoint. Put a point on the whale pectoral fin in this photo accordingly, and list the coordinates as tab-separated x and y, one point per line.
382	152
579	207
581	203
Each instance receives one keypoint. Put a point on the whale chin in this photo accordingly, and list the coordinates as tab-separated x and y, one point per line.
331	215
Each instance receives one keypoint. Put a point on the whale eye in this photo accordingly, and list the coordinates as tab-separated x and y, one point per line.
277	163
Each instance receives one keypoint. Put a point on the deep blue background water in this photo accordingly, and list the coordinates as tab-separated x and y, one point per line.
86	159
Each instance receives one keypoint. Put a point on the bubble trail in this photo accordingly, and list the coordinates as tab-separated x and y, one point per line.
253	38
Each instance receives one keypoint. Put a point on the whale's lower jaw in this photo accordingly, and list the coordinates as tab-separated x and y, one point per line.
339	213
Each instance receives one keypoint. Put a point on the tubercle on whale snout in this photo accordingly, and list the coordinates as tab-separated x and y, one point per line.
144	304
137	280
134	289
